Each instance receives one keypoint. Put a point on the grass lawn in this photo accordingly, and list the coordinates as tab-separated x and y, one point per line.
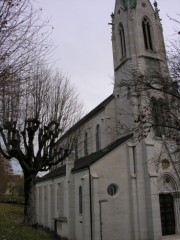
11	227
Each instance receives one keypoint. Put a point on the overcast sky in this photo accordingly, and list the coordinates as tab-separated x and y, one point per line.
82	38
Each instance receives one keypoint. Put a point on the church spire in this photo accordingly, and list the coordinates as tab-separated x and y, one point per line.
137	38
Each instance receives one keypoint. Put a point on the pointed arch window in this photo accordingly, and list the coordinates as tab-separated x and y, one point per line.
76	149
160	120
98	137
80	200
122	40
86	144
147	33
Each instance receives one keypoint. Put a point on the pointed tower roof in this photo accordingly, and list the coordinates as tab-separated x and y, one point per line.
131	2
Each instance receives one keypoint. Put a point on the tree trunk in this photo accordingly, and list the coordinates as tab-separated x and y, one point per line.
30	199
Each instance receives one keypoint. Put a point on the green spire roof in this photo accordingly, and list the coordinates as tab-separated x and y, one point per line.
132	2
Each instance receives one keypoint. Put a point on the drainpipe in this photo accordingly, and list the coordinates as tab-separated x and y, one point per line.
100	216
90	206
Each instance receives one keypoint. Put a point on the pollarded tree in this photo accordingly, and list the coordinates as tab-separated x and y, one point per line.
36	106
47	108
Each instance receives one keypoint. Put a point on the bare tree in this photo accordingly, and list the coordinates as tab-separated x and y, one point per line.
23	39
48	107
157	104
156	98
36	105
154	106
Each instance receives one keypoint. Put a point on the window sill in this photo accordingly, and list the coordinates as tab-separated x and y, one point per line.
61	219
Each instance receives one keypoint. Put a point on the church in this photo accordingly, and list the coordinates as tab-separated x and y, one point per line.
111	186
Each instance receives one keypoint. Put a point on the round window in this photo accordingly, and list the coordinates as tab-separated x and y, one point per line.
112	189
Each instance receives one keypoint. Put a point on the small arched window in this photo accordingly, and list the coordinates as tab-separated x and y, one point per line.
122	40
147	32
98	138
86	144
80	200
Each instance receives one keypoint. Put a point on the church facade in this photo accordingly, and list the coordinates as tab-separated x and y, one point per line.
112	187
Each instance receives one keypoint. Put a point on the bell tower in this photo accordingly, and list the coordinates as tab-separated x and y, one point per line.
137	39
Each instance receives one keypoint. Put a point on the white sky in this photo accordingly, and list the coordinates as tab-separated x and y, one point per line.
82	38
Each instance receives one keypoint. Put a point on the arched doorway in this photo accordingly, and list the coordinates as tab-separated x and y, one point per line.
167	214
169	204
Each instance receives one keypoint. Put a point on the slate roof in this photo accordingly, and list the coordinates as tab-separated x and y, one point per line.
56	173
62	170
88	160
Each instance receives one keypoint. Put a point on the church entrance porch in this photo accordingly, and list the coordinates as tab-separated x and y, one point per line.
167	214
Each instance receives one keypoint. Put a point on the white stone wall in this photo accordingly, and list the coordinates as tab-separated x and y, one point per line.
106	121
51	203
82	221
134	212
115	210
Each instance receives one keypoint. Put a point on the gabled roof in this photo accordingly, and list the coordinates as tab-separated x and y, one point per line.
91	114
88	160
53	174
85	162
